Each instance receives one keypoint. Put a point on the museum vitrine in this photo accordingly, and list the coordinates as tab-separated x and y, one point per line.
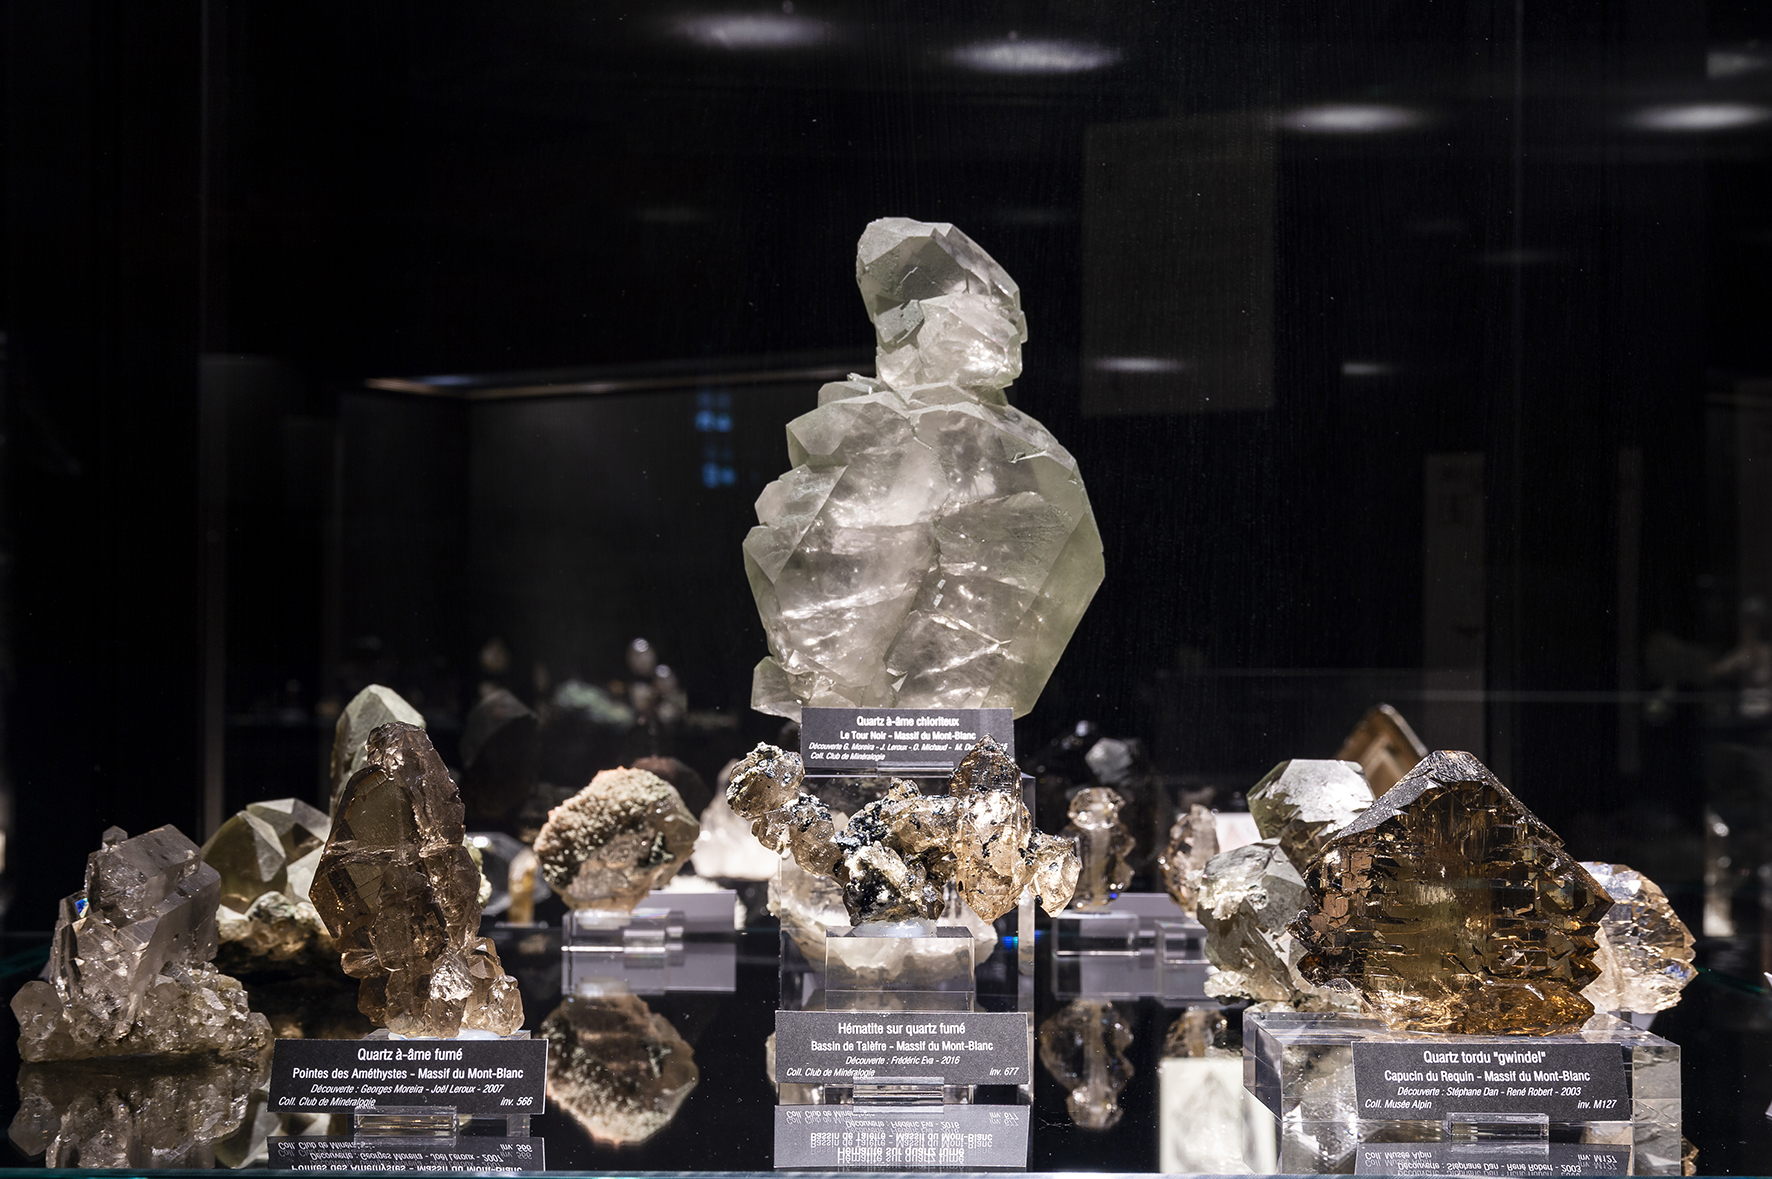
837	587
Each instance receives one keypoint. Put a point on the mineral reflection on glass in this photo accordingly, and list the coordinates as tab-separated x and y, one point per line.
617	1068
401	896
1303	802
1452	908
1384	745
1246	897
368	711
616	840
131	1115
129	962
1195	1032
1103	845
1645	953
1193	840
266	855
932	546
1084	1047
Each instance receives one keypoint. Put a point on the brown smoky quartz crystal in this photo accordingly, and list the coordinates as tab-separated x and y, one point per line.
1452	908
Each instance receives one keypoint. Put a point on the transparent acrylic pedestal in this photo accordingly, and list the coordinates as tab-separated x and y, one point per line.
1142	944
654	949
1301	1068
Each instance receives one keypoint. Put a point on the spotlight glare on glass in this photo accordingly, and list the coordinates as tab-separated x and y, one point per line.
1366	368
1700	116
1140	364
752	30
1017	55
1344	118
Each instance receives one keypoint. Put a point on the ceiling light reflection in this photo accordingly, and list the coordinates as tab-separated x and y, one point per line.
1732	63
1018	55
1344	118
1700	116
1140	364
1366	368
752	30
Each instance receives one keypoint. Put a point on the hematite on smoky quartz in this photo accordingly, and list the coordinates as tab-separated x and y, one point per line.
1452	908
401	897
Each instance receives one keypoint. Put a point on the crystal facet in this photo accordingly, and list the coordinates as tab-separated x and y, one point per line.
1645	953
1084	1047
617	1068
1452	908
1303	802
932	546
616	840
129	962
401	896
1246	897
266	855
1103	845
897	856
1193	840
1384	745
368	711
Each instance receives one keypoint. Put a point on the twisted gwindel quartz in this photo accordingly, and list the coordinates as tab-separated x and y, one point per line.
932	546
898	853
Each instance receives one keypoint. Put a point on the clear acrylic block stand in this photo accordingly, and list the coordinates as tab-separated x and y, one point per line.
1301	1068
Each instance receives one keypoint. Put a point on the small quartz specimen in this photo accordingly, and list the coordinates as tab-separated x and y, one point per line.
616	1067
1246	897
1645	953
129	963
616	840
401	896
726	849
141	1114
1452	908
932	546
1084	1047
1384	745
1103	845
1193	840
1303	802
368	711
266	855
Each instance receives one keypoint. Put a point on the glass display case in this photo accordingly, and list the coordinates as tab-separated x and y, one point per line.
827	586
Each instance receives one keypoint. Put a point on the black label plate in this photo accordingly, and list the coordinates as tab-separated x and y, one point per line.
483	1155
486	1078
1425	1081
940	1137
960	1047
898	740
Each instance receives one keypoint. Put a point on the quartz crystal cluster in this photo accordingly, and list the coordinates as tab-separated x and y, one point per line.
1452	908
616	840
1645	954
1103	845
898	853
1083	1046
266	855
129	965
401	896
1193	841
932	546
1303	802
617	1068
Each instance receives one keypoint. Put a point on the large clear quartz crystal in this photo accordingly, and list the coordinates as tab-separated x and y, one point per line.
616	840
932	546
1103	845
1303	802
1645	955
368	711
616	1067
1084	1047
1193	841
266	855
129	962
401	896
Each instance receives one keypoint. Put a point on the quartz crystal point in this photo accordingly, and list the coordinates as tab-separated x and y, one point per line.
129	961
266	855
617	1068
1084	1047
616	840
932	546
1645	952
1246	897
1103	845
134	1115
368	711
765	789
1193	840
1384	745
1452	908
1303	802
401	896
